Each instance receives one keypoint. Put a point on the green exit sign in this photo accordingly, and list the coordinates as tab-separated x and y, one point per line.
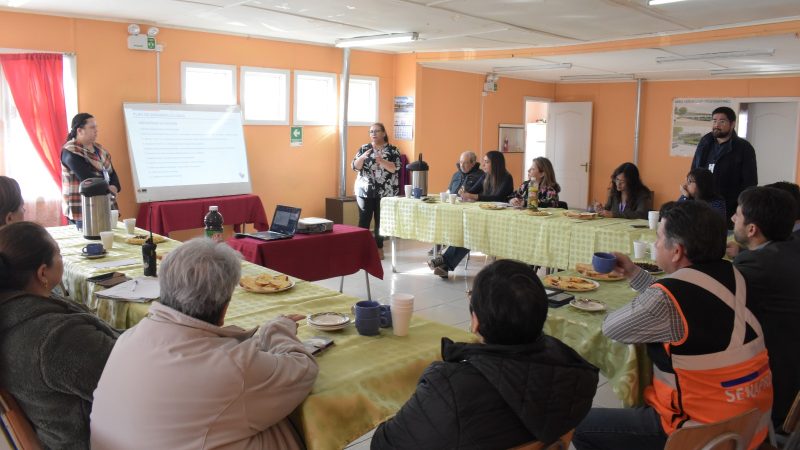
296	136
151	43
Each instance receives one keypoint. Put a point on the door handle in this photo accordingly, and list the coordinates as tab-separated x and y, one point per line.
585	167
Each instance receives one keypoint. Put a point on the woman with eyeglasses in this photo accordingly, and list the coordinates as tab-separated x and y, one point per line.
700	186
52	350
628	197
377	164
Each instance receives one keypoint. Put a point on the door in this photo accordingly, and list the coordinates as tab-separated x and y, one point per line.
772	130
569	142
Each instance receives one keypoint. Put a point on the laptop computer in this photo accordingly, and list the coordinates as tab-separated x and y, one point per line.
284	224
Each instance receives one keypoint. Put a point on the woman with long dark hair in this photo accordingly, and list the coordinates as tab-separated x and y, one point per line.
83	157
53	350
497	186
377	164
12	208
628	197
700	186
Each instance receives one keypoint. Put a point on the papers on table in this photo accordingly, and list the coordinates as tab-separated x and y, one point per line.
118	263
140	290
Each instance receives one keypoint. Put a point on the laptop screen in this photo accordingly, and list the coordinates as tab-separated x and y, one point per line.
285	220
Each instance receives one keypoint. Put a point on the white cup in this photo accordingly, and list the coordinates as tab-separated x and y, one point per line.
453	198
401	318
130	226
640	249
114	218
652	218
107	238
443	196
408	189
653	251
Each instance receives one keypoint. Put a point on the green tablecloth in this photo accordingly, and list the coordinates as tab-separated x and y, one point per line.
626	366
362	381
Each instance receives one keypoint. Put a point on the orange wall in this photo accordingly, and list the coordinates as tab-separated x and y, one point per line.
613	125
110	74
449	119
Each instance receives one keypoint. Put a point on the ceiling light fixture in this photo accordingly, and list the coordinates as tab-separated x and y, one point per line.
716	55
662	2
784	70
600	77
527	68
380	39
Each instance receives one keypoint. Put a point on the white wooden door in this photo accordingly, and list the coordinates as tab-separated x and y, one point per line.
772	130
569	143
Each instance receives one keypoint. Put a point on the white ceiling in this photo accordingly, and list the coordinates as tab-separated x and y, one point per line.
470	25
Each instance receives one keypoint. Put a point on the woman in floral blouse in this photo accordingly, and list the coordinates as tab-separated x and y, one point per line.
377	164
541	171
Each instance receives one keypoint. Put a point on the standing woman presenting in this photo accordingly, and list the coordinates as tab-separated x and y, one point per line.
377	164
81	158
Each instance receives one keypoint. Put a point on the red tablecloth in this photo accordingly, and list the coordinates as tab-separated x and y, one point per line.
176	215
313	257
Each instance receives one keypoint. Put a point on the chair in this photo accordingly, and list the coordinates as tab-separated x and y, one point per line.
734	433
561	444
16	425
562	205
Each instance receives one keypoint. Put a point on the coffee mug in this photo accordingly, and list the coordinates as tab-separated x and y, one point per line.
93	249
366	309
603	262
386	316
416	192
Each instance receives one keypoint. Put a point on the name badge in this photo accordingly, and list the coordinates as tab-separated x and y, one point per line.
711	168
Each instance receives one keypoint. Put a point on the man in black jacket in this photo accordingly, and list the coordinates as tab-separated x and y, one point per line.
468	176
769	264
730	158
514	387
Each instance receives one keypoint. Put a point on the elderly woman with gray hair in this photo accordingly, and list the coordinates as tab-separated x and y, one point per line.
202	385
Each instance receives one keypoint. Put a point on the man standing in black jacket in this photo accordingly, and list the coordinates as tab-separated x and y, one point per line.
730	158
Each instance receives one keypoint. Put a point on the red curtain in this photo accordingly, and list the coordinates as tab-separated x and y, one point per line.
37	86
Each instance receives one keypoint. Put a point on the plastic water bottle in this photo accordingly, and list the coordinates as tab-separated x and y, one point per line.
213	224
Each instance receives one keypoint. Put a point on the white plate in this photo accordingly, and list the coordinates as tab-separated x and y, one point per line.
587	304
328	321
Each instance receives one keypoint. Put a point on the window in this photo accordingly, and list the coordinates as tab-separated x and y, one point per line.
362	102
314	98
265	96
208	84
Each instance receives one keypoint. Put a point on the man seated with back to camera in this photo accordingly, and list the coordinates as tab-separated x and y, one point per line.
515	386
793	190
769	264
180	380
709	358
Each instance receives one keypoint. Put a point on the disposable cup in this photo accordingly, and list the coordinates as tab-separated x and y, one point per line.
453	198
401	300
653	251
652	219
130	226
443	196
107	238
400	321
408	190
640	249
114	218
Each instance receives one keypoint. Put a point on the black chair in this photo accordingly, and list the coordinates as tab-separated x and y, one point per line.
562	205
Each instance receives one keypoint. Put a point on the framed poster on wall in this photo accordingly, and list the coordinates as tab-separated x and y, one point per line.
691	120
511	138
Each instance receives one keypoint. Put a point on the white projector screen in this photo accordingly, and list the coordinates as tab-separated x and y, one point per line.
186	151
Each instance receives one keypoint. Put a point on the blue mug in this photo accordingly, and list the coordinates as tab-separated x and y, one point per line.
416	192
368	327
386	316
93	249
603	262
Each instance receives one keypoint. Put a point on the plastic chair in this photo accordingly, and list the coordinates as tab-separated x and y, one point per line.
734	433
16	426
561	444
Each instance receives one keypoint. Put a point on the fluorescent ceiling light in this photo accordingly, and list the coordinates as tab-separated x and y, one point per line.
785	70
609	76
716	55
527	68
662	2
380	39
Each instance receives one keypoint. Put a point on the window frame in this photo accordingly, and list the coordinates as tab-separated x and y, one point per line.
189	64
376	106
334	94
287	75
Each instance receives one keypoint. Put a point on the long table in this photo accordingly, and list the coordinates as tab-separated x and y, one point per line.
362	381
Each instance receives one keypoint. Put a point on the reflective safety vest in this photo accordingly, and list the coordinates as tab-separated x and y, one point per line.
719	369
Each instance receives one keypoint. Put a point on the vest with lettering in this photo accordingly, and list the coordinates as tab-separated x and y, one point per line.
719	369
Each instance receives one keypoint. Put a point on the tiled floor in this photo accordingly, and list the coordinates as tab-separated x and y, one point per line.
435	298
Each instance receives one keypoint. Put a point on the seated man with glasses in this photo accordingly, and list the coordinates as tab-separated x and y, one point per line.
514	386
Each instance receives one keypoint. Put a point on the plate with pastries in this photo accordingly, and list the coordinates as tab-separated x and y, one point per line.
266	283
139	239
588	271
570	283
580	215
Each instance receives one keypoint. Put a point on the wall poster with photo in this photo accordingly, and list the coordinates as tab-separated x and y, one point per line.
691	120
511	138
